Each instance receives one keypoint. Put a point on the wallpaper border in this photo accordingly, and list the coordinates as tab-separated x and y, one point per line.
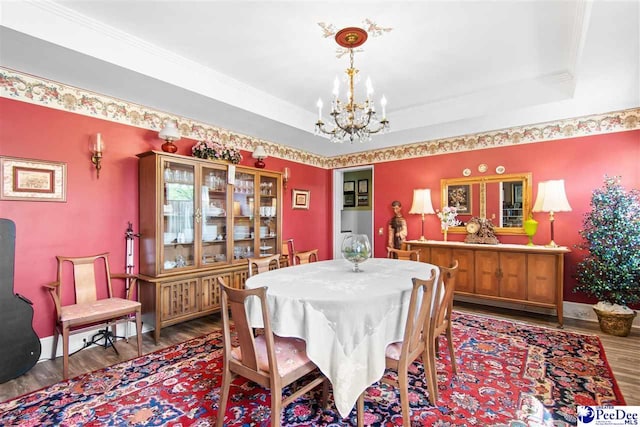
51	94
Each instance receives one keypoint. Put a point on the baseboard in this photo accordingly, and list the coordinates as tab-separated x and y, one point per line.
76	341
570	310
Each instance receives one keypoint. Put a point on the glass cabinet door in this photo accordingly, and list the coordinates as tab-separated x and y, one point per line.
268	211
178	249
243	215
214	215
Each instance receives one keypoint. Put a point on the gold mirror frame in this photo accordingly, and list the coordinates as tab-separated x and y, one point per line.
475	190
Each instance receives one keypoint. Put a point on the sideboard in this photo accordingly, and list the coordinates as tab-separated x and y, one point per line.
527	275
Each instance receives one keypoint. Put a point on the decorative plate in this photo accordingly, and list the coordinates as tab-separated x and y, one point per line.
466	172
482	168
500	170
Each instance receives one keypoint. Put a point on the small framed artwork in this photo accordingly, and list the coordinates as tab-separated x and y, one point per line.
301	199
349	200
363	186
459	196
349	186
363	200
33	180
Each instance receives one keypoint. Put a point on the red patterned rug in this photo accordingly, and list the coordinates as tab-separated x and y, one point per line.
509	374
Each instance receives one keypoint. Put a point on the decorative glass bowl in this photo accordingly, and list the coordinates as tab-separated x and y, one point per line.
356	249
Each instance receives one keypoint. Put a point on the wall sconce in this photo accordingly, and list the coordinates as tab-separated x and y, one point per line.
551	198
169	133
422	205
286	174
96	153
259	154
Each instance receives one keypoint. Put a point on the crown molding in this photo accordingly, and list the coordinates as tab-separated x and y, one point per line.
46	93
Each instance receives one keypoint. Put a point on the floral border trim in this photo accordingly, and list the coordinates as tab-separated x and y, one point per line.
47	93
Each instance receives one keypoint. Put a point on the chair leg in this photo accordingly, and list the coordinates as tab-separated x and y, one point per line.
325	393
430	372
403	385
224	396
139	331
54	350
65	352
452	356
360	409
276	405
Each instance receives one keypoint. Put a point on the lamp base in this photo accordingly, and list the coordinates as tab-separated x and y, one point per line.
169	147
260	164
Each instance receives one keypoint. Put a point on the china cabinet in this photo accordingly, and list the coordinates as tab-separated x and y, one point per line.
200	219
521	274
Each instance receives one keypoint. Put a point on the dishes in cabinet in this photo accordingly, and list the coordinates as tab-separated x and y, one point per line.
265	248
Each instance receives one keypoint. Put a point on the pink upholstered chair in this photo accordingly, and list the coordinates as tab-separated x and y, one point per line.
266	359
88	309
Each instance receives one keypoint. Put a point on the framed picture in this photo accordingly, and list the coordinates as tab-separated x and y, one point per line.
300	199
349	200
349	186
459	196
363	186
363	200
33	180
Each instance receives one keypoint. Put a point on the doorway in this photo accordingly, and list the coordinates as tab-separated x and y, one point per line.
353	204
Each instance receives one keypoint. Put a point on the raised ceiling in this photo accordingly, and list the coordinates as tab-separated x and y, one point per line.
447	68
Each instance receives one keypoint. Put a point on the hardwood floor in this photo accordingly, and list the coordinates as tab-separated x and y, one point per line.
623	354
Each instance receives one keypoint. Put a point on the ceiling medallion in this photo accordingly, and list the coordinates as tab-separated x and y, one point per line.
353	121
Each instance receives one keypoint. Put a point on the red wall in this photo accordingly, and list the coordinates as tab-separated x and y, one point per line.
581	162
95	215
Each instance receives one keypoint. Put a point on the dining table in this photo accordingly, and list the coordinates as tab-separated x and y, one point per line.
346	318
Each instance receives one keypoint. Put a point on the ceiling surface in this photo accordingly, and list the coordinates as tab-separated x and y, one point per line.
447	68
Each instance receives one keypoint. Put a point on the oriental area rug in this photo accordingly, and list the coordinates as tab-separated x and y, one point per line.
509	374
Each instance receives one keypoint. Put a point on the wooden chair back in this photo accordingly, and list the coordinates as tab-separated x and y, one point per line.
441	323
83	276
409	255
247	360
402	354
287	251
262	264
306	257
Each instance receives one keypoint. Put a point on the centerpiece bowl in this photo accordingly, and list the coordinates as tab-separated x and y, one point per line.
356	249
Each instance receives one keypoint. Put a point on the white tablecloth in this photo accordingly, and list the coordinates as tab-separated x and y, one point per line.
347	319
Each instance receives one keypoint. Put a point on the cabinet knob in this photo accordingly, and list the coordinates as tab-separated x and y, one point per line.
499	274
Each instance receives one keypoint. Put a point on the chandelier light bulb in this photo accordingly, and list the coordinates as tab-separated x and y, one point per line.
319	105
369	87
336	87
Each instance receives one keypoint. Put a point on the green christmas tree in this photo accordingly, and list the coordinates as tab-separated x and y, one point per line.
611	233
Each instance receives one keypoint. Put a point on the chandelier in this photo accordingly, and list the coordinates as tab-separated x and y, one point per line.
353	121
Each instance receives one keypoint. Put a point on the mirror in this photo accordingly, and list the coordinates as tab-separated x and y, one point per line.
505	199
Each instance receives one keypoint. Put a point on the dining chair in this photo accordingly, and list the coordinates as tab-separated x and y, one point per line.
261	264
400	355
410	255
89	273
306	257
441	323
288	251
271	361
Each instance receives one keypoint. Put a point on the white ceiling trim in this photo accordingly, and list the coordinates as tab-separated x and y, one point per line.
96	39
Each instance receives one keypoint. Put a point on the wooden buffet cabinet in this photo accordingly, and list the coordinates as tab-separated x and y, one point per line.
200	220
528	275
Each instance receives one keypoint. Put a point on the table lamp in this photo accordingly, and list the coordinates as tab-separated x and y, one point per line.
551	198
422	205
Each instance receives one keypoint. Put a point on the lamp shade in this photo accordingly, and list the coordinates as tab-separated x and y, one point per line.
169	132
259	153
551	197
421	202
